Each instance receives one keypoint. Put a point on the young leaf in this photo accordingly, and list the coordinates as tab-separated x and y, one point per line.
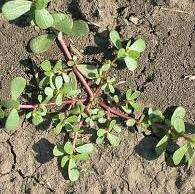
136	106
101	132
162	145
17	87
14	9
81	156
46	65
58	82
43	18
130	122
10	104
37	119
100	140
73	173
133	96
41	43
64	161
139	45
58	150
12	121
41	4
80	28
89	71
131	63
113	139
117	129
68	148
115	38
62	22
177	119
59	99
48	91
179	154
87	148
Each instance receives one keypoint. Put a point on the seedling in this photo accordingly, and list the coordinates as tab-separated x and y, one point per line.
102	112
38	15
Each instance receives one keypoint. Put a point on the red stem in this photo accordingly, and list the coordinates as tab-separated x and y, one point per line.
64	47
84	82
114	111
33	106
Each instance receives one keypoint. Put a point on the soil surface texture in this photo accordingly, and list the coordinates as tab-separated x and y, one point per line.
27	164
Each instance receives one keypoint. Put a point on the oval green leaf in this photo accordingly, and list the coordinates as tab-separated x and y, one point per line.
89	71
87	148
41	43
115	38
43	18
12	121
73	172
162	145
80	28
139	45
62	22
17	87
131	63
179	154
14	9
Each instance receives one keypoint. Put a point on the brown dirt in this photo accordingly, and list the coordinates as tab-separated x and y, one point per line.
26	161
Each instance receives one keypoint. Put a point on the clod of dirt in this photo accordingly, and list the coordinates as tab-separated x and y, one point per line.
6	158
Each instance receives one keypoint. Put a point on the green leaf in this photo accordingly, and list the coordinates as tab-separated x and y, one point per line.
80	28
48	91
81	157
40	4
64	161
89	71
136	106
62	22
43	18
177	119
58	82
134	95
115	38
121	53
87	148
14	9
139	45
10	104
37	119
59	99
179	154
41	43
128	94
133	54
58	150
101	132
12	121
68	148
113	139
73	81
73	172
100	140
46	65
162	145
117	129
71	119
130	122
17	87
131	63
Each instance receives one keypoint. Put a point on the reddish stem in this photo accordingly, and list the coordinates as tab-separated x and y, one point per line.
64	47
33	106
84	82
114	111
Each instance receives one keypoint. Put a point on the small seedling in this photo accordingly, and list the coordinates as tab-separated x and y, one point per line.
102	112
38	15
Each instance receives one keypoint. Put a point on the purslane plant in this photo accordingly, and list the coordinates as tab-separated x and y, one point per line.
37	13
79	117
